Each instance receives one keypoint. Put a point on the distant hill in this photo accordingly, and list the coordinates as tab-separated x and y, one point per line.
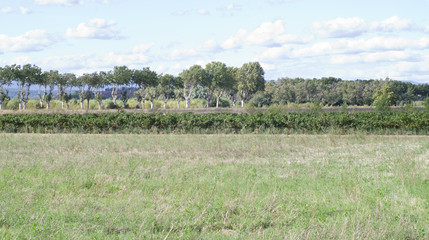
14	91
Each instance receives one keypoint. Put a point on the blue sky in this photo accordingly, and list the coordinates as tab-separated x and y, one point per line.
349	39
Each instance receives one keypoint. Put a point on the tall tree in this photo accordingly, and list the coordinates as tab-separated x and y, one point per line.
153	90
5	82
153	93
166	87
26	76
178	90
224	82
120	76
191	78
79	82
65	81
92	81
52	79
250	80
219	79
42	82
98	82
143	79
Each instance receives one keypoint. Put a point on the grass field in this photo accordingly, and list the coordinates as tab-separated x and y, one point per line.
213	186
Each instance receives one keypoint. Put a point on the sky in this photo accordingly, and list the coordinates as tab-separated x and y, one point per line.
349	39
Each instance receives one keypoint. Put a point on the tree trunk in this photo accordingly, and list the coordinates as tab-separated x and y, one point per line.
87	105
151	104
140	104
81	105
1	104
178	104
114	96
67	104
188	101
208	102
19	106
217	102
25	105
41	103
62	104
47	105
242	103
99	105
165	104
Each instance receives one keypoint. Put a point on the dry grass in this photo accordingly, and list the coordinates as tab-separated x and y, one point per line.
214	186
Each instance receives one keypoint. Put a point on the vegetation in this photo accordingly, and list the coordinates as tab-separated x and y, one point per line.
215	81
213	187
270	122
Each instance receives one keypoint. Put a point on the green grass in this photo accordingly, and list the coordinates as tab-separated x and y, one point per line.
213	186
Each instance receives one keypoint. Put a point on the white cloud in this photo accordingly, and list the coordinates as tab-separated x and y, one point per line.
5	10
235	40
265	33
24	10
340	27
357	46
207	47
85	63
268	34
61	2
142	48
392	24
114	59
375	57
353	27
203	12
34	40
317	49
268	67
230	9
96	28
275	53
22	60
382	44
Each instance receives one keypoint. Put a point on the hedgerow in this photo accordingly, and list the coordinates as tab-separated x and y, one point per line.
366	122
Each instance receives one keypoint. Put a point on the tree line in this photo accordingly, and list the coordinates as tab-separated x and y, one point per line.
213	82
216	78
335	91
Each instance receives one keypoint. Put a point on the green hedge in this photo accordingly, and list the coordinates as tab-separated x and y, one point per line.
367	122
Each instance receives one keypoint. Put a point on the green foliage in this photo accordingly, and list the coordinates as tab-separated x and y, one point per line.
316	107
223	102
260	99
250	80
426	105
383	99
400	122
344	107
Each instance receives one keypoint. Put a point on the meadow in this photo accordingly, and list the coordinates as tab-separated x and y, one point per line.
248	186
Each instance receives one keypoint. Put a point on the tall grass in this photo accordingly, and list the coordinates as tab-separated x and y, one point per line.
213	186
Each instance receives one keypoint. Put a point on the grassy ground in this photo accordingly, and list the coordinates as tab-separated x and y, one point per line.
216	186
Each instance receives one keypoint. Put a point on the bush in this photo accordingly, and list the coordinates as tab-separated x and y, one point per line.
223	102
12	104
257	122
260	99
426	105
